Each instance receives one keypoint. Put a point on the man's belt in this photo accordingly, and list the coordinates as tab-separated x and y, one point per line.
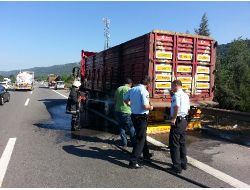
140	116
179	118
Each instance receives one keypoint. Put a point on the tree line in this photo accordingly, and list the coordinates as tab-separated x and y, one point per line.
232	78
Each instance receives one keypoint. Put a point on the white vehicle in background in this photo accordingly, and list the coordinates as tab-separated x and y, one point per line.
24	80
59	85
6	84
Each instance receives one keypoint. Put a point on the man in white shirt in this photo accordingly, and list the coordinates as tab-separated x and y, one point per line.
180	106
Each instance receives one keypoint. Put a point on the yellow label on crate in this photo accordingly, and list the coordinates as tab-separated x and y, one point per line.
163	85
203	57
202	85
163	67
203	78
202	69
164	55
162	77
185	56
184	69
185	79
186	86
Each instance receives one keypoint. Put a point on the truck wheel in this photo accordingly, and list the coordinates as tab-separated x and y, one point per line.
2	101
8	99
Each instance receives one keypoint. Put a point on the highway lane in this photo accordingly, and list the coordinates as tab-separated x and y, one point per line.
225	156
46	154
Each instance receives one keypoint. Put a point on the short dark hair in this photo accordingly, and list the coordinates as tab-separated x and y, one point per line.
146	80
177	82
128	81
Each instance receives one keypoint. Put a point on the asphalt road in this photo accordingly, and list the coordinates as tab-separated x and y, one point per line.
47	154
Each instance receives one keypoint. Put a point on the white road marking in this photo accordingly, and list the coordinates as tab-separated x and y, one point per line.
204	167
31	92
155	142
60	94
26	102
5	158
218	174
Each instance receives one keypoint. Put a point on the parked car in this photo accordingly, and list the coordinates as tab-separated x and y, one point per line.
6	84
59	85
4	95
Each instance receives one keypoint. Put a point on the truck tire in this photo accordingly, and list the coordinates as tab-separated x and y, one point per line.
8	99
2	101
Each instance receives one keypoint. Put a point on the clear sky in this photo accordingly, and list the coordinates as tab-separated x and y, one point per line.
34	34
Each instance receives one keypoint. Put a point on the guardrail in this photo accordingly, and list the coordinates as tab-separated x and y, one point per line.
237	115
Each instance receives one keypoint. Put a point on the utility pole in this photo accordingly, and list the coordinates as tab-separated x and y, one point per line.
106	22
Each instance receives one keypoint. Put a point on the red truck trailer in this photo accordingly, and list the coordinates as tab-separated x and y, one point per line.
162	55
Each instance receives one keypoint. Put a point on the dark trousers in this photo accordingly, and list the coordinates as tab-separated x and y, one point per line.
177	143
126	125
74	120
140	124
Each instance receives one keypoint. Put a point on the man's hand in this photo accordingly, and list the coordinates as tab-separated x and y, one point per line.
151	107
148	107
173	121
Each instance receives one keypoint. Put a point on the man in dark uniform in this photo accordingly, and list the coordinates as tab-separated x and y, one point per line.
180	106
140	106
73	103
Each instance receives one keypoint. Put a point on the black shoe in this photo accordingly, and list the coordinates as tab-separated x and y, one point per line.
184	167
174	170
135	165
148	156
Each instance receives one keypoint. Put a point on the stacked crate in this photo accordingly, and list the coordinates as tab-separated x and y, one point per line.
203	67
163	64
185	62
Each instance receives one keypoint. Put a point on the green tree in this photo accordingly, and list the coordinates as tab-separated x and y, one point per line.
233	77
203	28
1	78
12	78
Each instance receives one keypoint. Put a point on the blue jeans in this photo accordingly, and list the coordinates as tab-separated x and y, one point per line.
126	125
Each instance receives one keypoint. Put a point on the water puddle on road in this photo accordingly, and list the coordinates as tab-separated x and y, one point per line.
191	137
59	119
60	123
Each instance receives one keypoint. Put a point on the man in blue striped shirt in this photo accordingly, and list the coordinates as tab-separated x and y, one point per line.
140	106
